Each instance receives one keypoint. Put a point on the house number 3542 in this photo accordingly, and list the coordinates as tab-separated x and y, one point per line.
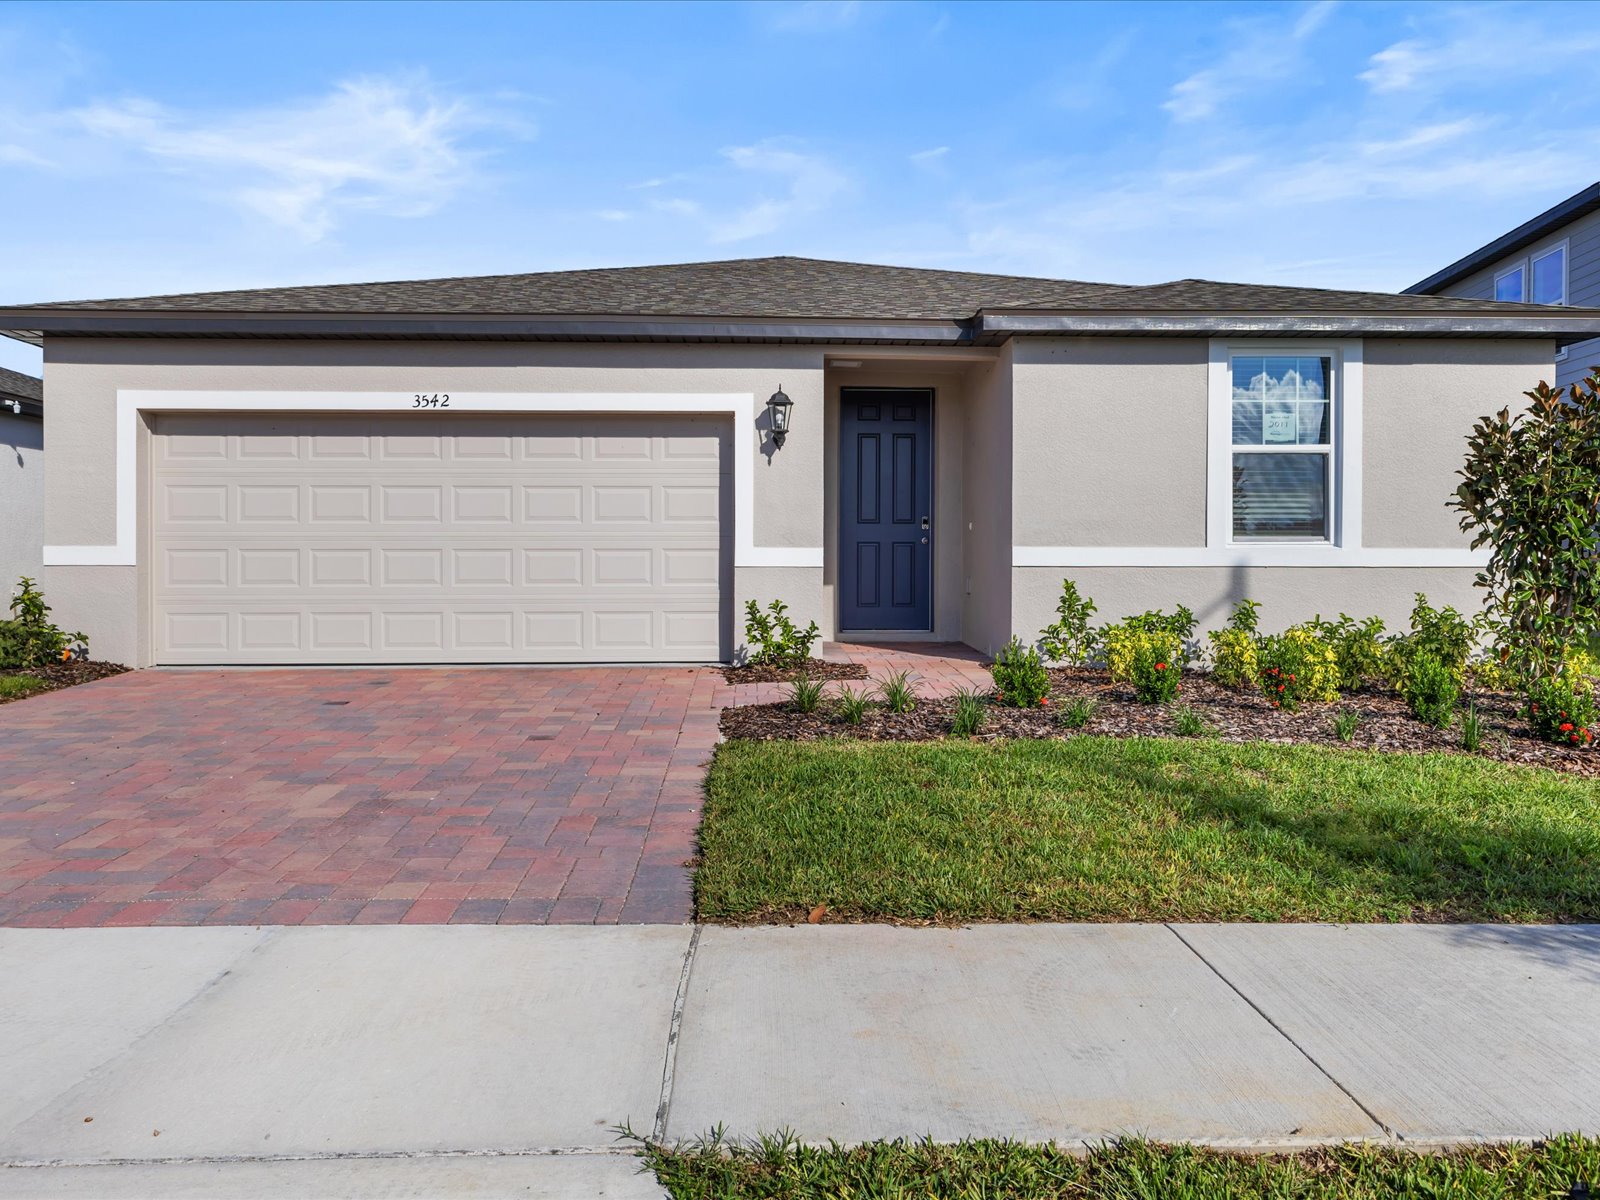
430	400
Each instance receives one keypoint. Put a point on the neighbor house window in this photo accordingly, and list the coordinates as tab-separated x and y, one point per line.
1512	285
1549	273
1283	424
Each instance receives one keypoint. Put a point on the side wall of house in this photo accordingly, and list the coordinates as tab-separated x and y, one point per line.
1583	287
1111	481
84	375
21	500
987	493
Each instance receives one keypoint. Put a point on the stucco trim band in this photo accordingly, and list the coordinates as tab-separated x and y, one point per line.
1245	556
741	406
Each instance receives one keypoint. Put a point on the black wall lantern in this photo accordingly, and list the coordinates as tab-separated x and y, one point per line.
778	408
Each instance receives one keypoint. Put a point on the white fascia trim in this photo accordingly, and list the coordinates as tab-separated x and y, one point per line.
1287	555
741	406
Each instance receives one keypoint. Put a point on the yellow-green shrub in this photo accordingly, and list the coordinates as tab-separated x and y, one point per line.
1233	657
1125	646
1297	665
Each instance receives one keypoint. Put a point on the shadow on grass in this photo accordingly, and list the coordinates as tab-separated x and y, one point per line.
1498	867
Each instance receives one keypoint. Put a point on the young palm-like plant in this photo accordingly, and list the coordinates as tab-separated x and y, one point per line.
805	694
1345	723
852	705
1188	723
970	710
896	692
1076	712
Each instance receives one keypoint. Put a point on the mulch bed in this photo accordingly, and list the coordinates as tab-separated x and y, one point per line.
816	668
56	676
1386	722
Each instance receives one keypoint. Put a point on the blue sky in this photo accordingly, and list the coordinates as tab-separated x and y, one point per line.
154	148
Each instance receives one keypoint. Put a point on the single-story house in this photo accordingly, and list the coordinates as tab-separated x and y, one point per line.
588	465
21	480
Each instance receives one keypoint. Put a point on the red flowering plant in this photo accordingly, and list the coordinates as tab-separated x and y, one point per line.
1296	666
1563	710
1020	677
1157	669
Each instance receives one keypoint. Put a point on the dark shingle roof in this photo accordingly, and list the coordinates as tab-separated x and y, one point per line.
784	299
14	385
747	287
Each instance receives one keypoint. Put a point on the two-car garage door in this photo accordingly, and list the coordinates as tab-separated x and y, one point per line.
436	537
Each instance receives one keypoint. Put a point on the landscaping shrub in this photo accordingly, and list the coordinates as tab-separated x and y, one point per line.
1563	709
773	640
896	692
1020	677
1157	677
852	705
1441	632
1076	712
1188	723
1528	492
1233	650
1297	666
1120	641
1430	688
970	710
1358	646
29	638
805	695
1345	723
1069	639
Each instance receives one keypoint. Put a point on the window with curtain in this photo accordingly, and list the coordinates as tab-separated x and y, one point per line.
1282	447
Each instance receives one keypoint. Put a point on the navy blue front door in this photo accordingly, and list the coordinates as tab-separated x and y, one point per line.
886	509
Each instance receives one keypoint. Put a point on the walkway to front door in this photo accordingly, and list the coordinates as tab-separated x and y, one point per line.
325	796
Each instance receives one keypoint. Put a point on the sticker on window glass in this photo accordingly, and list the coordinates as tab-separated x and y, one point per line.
1280	424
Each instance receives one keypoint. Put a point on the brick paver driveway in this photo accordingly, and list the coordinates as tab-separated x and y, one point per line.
331	796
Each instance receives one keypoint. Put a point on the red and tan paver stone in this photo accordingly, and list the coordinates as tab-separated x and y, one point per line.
373	796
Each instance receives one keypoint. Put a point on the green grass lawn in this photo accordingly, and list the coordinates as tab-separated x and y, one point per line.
1110	829
779	1170
14	687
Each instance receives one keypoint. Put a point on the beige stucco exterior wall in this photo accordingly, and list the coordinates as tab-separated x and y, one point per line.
949	384
1110	445
1422	398
986	490
21	500
1288	595
84	375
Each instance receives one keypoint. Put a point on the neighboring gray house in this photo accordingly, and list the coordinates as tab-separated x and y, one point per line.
582	466
1552	259
21	480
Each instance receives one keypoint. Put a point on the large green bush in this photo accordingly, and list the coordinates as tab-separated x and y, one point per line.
1530	491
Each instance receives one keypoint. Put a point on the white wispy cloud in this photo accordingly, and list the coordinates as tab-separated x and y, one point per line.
389	146
930	158
810	183
1264	54
1460	46
814	16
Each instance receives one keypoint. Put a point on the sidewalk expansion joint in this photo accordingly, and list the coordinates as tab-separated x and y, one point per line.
1285	1035
669	1065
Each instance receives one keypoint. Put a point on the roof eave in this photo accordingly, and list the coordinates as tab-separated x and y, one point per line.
1523	235
1564	329
32	325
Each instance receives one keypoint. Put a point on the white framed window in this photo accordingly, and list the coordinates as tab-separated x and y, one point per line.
1512	284
1282	433
1285	443
1547	275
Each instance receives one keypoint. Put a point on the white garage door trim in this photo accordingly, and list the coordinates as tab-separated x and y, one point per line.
742	406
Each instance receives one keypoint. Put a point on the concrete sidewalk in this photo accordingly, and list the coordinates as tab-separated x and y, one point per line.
497	1060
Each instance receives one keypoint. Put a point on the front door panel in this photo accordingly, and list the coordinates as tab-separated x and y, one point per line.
886	509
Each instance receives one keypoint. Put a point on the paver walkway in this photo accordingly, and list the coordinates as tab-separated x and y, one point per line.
325	796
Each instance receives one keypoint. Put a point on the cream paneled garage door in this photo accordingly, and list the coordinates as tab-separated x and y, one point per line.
434	537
